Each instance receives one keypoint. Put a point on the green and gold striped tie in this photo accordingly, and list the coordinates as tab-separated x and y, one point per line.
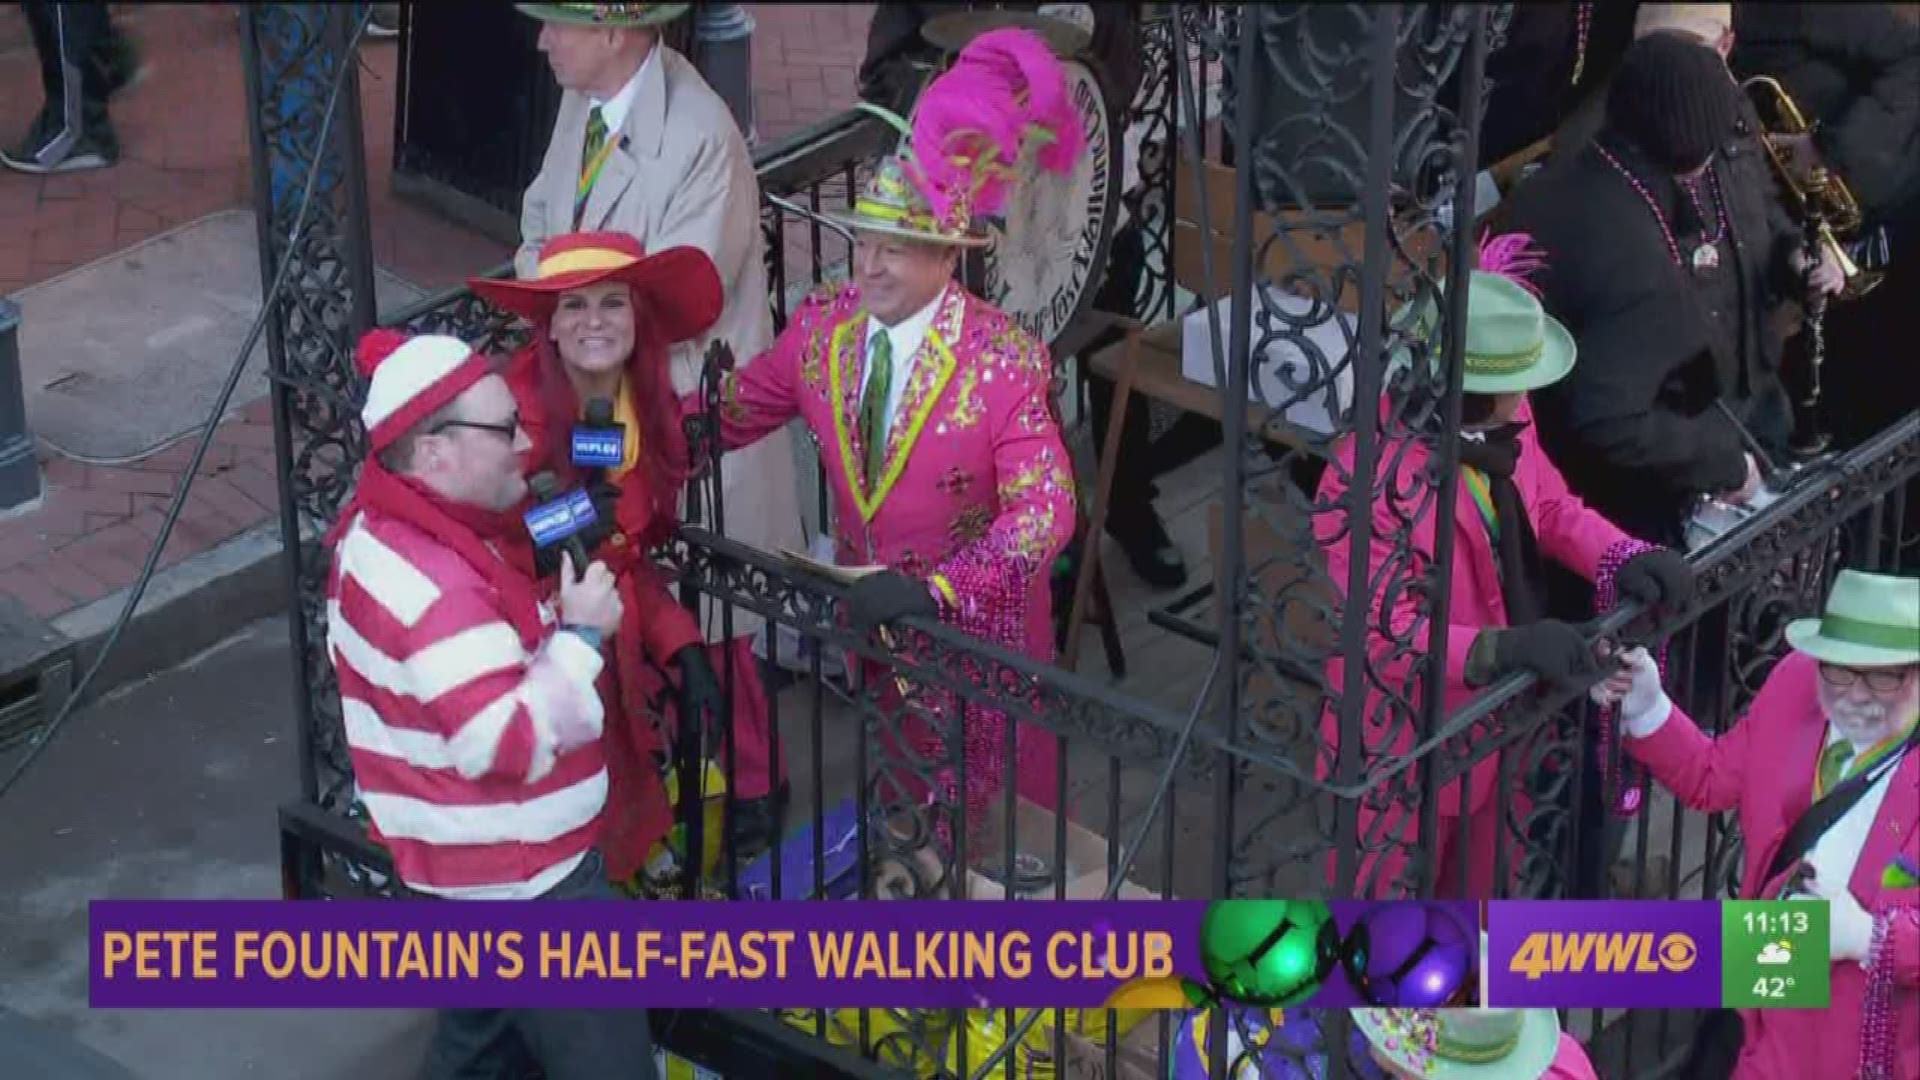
592	157
873	406
1833	764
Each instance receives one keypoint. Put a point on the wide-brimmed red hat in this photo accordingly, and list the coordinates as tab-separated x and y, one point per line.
678	287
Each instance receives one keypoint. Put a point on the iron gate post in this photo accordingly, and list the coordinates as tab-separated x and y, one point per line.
19	470
304	127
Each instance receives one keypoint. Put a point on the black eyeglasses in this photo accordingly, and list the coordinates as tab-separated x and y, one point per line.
1883	680
508	429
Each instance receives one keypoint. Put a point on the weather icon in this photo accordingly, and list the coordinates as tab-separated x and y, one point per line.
1776	952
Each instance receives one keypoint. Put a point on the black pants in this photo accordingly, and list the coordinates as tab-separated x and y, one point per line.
563	1044
76	44
1865	394
1130	503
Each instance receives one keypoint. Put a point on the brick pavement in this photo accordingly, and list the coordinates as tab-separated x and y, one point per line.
184	147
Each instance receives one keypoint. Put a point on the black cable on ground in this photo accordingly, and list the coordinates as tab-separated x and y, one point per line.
45	736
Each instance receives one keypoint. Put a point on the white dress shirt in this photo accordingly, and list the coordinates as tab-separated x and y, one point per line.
1836	854
905	337
614	110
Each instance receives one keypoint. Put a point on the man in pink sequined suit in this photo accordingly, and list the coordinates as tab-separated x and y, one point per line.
932	408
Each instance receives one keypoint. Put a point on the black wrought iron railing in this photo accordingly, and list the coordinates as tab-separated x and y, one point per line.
1264	782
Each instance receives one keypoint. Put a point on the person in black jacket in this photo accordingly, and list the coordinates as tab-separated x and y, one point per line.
1553	58
1854	70
1664	265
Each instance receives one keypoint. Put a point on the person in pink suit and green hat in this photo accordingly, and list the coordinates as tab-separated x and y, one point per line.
1471	1044
1825	775
1512	511
931	407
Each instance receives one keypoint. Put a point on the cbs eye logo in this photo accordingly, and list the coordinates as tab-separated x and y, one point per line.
1677	952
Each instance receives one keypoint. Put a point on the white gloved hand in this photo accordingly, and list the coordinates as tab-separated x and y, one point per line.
1635	687
1849	927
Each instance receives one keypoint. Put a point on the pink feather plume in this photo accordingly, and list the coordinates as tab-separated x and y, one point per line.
1512	256
1004	90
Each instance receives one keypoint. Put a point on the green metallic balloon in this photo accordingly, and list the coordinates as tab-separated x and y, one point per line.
1269	953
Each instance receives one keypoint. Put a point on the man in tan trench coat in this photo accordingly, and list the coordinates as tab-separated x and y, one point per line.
643	145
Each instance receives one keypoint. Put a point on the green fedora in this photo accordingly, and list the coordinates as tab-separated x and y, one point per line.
1464	1044
1871	620
1512	345
619	16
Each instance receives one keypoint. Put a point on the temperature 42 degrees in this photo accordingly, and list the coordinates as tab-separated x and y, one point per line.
1774	954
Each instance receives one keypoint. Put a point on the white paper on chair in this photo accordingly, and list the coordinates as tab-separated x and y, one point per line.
1282	354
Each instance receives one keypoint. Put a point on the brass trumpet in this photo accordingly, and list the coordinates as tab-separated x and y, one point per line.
1823	195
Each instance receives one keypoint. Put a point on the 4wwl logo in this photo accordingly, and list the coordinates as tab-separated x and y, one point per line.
1552	953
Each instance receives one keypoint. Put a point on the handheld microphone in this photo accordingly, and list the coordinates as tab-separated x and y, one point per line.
599	442
559	519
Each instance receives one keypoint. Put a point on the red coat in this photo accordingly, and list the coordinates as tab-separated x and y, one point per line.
1763	768
653	627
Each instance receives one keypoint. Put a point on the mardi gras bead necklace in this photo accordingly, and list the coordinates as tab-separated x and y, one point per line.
1583	20
1705	257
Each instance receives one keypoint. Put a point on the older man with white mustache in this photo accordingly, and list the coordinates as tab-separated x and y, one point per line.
1825	775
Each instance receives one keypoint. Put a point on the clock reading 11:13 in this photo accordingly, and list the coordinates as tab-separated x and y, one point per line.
1776	921
1773	954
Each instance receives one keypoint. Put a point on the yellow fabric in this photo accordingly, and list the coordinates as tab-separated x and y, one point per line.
583	259
623	415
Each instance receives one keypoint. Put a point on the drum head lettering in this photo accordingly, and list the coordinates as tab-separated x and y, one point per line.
1049	249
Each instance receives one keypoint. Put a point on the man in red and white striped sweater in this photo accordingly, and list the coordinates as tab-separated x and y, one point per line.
470	711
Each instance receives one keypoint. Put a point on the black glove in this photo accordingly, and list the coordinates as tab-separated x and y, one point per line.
885	596
1551	649
1658	577
700	697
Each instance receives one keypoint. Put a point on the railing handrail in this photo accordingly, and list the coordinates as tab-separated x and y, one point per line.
1736	542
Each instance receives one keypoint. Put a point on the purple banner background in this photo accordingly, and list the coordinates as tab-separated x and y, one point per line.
662	983
1510	922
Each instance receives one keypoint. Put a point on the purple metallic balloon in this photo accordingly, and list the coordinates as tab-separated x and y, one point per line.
1409	954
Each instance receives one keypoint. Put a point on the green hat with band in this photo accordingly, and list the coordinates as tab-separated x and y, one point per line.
1463	1044
1512	344
618	16
1871	620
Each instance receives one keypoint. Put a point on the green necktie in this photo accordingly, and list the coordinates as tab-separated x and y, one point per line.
1833	763
590	162
873	406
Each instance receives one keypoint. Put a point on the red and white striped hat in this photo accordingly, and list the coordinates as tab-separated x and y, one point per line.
409	377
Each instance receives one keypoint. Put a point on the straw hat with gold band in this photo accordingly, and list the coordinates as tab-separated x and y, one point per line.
678	289
1004	98
615	16
891	204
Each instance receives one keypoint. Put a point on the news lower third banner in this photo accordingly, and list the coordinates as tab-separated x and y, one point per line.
1653	954
1143	954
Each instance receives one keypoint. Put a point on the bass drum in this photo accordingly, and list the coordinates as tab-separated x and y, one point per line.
1049	251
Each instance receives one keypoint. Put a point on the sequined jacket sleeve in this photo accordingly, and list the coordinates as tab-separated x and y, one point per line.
1035	496
763	394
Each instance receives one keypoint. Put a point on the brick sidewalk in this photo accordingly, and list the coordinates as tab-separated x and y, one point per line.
184	155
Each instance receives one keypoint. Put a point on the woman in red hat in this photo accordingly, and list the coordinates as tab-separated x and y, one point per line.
604	314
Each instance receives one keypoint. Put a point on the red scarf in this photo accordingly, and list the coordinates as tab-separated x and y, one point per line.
663	445
495	543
